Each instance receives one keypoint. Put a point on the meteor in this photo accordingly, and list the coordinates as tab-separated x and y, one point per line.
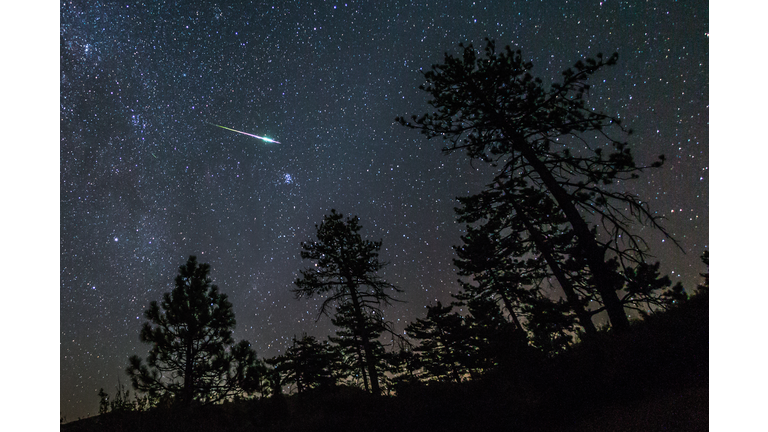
246	133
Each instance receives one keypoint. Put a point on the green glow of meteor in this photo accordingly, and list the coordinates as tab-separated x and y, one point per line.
246	133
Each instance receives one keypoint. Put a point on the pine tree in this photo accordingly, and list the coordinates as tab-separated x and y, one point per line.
551	326
492	338
444	348
307	363
349	343
537	137
403	364
645	290
521	243
193	358
345	272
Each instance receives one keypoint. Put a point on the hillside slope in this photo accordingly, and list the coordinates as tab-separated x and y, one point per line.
654	377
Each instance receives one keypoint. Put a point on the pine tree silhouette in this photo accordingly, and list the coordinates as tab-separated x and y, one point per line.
193	358
345	272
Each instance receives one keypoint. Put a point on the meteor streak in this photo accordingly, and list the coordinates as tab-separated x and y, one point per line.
246	133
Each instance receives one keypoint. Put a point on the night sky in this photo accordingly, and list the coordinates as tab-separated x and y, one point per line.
146	180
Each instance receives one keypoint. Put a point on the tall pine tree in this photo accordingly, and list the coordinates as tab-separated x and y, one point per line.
349	343
549	139
345	273
193	358
521	242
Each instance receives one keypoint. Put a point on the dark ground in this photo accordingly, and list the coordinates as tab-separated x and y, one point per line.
653	378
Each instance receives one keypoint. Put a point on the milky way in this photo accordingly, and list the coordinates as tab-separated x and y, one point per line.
146	181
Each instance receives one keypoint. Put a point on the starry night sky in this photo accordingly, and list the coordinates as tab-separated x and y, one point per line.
146	180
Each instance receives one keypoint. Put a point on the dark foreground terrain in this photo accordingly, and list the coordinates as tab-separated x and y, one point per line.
653	378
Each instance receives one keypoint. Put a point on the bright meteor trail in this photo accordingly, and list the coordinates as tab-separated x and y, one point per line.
246	133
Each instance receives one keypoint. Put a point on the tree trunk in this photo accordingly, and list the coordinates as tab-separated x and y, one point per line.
361	361
585	319
450	355
188	394
369	357
593	253
508	305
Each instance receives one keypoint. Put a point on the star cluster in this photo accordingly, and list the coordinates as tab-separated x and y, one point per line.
146	180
